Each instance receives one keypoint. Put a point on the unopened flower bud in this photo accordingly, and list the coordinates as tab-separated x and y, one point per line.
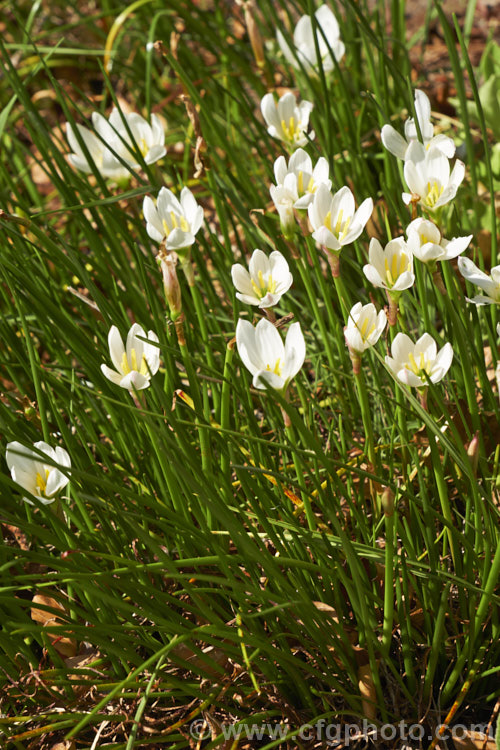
168	262
473	452
254	33
387	500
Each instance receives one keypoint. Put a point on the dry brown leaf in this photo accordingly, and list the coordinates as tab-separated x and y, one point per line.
474	741
63	645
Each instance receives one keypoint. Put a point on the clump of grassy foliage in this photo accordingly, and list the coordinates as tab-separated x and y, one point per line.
205	561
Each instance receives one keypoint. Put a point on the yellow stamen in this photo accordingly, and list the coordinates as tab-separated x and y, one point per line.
300	183
41	483
264	286
388	274
143	147
128	366
176	222
434	192
290	130
418	368
277	368
338	225
328	221
364	333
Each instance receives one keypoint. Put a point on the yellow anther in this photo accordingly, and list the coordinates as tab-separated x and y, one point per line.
277	368
388	274
290	130
262	281
311	187
338	225
434	192
300	183
328	221
40	482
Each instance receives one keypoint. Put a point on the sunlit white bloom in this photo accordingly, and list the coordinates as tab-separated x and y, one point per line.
327	34
426	243
266	280
334	219
427	174
118	138
171	220
391	267
263	353
416	364
298	179
30	470
364	327
397	145
136	363
286	120
489	284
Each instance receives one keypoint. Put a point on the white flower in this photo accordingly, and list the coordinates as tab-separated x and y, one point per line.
113	141
172	221
426	243
33	474
334	219
298	180
135	364
416	364
328	39
266	280
397	145
427	174
286	120
489	284
391	267
263	353
364	327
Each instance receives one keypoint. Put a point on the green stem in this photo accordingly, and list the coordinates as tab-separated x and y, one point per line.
390	525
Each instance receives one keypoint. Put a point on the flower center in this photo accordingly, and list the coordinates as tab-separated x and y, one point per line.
143	146
131	365
174	221
365	334
419	368
277	369
292	131
340	229
396	269
310	188
41	482
265	286
434	192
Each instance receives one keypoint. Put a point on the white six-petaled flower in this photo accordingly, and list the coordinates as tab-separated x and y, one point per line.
489	284
114	142
172	221
136	363
364	327
31	472
286	120
334	218
327	34
264	355
427	174
397	145
391	267
426	243
417	363
266	280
